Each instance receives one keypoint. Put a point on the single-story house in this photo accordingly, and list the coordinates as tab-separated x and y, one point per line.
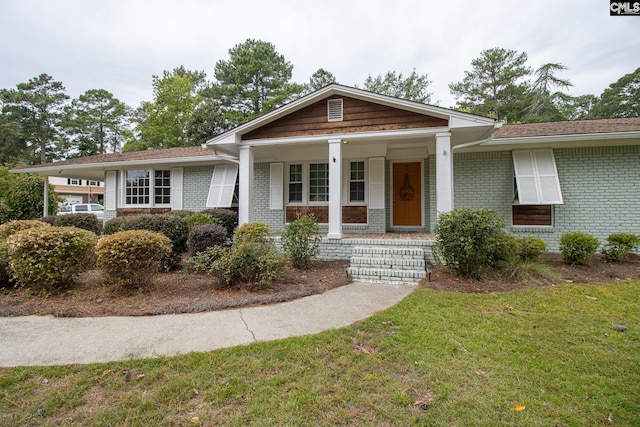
73	190
372	167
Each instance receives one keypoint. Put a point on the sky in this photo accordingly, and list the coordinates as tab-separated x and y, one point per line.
118	45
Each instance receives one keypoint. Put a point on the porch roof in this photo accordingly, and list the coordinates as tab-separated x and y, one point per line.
93	167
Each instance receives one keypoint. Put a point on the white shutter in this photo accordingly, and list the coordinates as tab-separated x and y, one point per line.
110	191
376	183
176	189
276	189
537	177
223	183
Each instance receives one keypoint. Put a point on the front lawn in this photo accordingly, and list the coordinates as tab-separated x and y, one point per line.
437	358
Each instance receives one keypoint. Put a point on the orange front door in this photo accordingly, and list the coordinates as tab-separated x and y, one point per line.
407	194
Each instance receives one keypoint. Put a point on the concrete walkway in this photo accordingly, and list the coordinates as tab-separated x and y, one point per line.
45	340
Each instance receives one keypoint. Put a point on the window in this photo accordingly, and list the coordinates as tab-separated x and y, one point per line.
82	208
356	181
532	215
295	183
93	183
319	182
162	188
71	181
139	187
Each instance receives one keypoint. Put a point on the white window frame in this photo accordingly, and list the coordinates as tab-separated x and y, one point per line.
151	203
74	181
306	183
288	180
317	202
346	183
534	179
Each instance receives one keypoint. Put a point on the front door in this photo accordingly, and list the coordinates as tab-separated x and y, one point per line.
407	194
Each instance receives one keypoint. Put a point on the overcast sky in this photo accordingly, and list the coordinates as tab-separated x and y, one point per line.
118	45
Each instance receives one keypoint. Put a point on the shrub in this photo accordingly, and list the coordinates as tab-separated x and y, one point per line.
205	236
530	248
259	263
468	240
172	226
10	228
49	219
116	224
203	261
25	200
5	267
228	217
200	219
251	232
132	257
619	245
301	242
51	256
182	214
577	248
86	221
506	251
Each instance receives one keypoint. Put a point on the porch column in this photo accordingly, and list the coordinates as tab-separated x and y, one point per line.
45	204
335	189
444	173
245	185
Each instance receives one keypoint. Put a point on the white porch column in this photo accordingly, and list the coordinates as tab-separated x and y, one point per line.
444	173
335	189
245	185
45	204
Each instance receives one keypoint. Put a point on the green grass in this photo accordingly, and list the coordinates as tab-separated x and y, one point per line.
469	358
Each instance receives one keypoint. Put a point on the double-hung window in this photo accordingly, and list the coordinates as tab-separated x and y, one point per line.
356	182
295	183
140	189
318	182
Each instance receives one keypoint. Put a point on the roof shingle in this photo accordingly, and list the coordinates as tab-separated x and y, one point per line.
574	127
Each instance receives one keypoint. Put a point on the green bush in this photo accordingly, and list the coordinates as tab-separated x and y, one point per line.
228	217
200	219
577	248
173	226
530	248
203	261
251	232
25	200
132	257
468	240
10	228
86	221
205	236
5	267
619	245
50	257
301	242
258	263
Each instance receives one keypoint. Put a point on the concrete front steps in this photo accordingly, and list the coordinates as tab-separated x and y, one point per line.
388	264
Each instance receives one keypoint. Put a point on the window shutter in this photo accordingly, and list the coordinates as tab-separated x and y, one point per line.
334	110
176	189
110	191
223	182
376	183
276	190
537	177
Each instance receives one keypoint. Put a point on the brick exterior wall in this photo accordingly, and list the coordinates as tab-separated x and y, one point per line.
600	188
195	187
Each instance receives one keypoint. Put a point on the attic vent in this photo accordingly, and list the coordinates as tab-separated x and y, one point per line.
334	110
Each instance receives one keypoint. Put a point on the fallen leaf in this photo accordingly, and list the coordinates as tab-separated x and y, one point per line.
510	308
519	407
139	377
592	298
196	392
195	420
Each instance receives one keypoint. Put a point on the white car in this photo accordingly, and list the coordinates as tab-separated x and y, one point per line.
91	208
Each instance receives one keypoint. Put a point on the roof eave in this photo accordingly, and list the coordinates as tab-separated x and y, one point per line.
562	138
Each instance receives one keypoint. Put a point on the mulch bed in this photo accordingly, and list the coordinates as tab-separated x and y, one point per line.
179	292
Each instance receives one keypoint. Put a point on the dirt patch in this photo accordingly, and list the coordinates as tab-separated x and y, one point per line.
179	292
174	292
596	272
